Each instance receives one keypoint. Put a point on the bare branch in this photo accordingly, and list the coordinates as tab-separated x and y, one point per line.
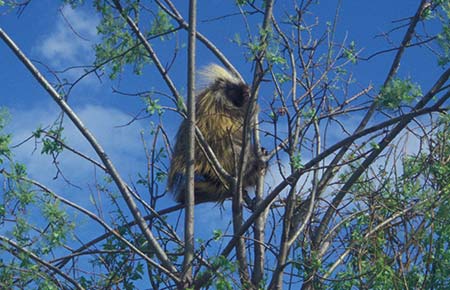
41	261
98	149
190	152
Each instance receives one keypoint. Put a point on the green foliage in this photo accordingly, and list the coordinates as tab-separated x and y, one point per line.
120	46
350	53
369	259
217	235
74	3
152	106
4	117
123	270
21	204
310	114
6	275
274	57
374	145
273	116
296	161
160	175
444	36
444	43
402	254
244	2
433	170
282	78
5	139
59	225
20	231
52	142
226	267
237	39
161	26
18	191
427	13
241	2
398	92
264	43
11	4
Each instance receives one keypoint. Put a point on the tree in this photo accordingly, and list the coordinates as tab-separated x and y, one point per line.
356	194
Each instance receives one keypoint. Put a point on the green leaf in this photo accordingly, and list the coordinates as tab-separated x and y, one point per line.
152	106
217	235
161	25
398	92
296	161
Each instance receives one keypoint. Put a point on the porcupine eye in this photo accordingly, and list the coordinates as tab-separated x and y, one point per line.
238	94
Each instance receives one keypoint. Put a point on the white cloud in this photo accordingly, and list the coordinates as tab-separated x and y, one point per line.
71	40
122	144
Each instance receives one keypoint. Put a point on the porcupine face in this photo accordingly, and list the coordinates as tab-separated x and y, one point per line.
238	94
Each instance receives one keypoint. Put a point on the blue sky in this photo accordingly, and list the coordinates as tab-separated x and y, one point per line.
43	34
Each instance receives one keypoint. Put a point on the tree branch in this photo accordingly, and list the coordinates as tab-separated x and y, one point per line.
190	152
98	149
379	148
41	261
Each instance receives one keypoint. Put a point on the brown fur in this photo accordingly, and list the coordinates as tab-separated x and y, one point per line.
220	112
